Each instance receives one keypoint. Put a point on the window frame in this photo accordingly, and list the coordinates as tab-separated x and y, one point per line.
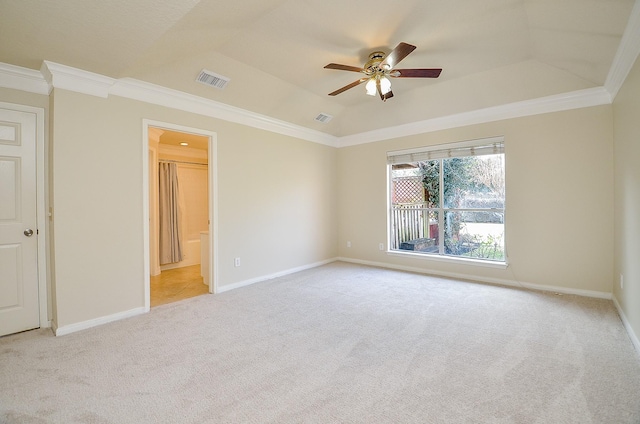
441	152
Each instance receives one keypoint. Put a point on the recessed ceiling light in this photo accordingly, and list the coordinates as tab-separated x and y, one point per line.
184	143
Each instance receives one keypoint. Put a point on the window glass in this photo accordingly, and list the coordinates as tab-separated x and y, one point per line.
452	206
474	234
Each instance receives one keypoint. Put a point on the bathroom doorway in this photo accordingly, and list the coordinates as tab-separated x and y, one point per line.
180	199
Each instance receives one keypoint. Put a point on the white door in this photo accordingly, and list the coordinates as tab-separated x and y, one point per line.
19	306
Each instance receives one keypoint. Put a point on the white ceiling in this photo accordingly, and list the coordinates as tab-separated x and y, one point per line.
492	52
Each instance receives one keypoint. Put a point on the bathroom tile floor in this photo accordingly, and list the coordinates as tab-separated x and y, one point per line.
177	284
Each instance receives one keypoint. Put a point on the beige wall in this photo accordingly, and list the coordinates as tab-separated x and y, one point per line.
626	113
24	98
559	175
276	195
286	203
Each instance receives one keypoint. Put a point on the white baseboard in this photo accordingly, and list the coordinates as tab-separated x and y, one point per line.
499	281
72	328
627	325
244	283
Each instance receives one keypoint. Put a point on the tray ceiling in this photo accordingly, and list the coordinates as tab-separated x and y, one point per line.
492	52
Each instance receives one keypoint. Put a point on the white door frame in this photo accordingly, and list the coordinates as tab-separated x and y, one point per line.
213	201
41	208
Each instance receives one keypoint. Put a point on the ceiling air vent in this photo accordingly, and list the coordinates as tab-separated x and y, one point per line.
324	118
212	79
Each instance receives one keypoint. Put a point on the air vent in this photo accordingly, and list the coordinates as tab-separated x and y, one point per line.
324	118
212	79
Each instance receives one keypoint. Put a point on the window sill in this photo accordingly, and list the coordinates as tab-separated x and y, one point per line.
450	259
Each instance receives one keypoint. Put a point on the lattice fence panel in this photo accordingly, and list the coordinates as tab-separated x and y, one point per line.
408	190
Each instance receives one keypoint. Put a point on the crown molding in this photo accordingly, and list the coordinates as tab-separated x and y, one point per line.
626	54
61	76
54	75
155	133
73	79
155	94
566	101
23	79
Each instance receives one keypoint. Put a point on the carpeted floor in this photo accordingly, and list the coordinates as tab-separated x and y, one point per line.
337	344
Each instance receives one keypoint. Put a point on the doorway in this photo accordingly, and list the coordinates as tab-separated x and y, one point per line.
180	203
24	303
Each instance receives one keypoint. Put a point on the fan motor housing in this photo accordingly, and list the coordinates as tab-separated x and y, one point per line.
373	64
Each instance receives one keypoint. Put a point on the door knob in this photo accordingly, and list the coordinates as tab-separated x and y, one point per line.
28	232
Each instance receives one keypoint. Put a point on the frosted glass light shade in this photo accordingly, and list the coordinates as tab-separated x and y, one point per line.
385	85
371	87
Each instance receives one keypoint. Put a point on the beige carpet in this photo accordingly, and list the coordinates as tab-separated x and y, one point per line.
337	344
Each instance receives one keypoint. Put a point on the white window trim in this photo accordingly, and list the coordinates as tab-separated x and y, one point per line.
441	151
451	259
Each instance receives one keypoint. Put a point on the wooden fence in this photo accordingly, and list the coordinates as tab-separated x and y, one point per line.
411	221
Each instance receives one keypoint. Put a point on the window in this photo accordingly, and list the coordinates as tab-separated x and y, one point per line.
449	200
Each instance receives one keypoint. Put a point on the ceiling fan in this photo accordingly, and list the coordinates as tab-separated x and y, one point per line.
379	68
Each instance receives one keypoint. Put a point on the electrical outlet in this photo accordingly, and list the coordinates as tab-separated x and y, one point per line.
381	246
236	262
621	281
348	244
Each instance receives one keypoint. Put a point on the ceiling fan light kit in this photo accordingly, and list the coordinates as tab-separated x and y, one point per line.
375	81
379	68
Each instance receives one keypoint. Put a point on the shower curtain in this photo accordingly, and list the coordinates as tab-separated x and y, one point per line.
169	208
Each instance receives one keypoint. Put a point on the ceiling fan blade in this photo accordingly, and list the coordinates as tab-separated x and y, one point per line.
343	67
415	73
401	51
346	87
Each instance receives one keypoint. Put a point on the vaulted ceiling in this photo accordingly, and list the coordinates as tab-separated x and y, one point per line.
492	52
